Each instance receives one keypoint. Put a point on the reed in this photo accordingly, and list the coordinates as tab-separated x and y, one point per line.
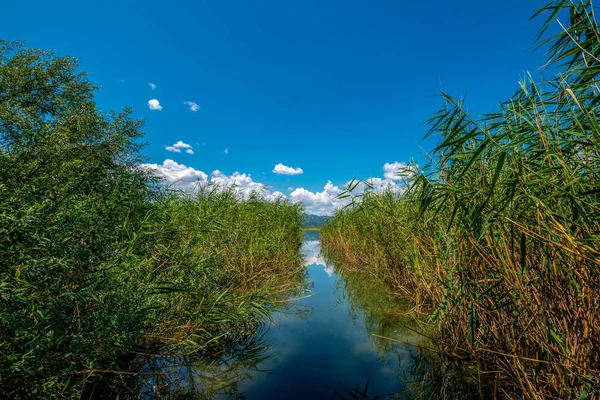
496	238
99	263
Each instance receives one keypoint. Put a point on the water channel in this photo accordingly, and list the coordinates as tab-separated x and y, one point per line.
345	338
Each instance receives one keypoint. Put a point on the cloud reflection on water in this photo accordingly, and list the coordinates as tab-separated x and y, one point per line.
311	250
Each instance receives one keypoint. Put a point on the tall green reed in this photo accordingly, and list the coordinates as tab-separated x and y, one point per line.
98	263
497	237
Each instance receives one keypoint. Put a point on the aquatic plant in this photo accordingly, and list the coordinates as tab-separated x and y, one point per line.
497	237
98	261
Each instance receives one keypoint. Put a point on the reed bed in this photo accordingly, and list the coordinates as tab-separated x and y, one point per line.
99	263
497	238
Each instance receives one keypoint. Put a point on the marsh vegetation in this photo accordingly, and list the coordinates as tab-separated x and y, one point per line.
481	278
99	263
495	241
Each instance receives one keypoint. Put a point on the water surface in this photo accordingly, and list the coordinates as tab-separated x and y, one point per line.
323	347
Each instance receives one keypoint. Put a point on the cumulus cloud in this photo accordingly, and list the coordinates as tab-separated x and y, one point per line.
281	169
177	147
396	170
186	178
193	106
154	105
242	183
152	86
320	203
275	196
324	202
177	175
379	185
180	176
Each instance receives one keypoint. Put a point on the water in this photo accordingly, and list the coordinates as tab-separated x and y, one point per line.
324	347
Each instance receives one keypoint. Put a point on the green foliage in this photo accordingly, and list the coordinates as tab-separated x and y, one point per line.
97	262
37	91
498	235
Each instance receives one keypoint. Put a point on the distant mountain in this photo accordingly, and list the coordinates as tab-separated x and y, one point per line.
315	221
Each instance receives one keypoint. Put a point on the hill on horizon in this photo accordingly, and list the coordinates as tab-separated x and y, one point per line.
315	221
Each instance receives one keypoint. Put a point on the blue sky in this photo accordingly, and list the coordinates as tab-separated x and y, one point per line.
336	88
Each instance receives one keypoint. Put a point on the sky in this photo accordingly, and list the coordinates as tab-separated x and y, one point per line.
299	96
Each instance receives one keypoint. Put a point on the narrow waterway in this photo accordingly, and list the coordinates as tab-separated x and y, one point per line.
328	346
345	338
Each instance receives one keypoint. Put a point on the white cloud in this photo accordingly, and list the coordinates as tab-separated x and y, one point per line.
378	185
320	203
275	196
178	175
193	106
324	202
396	170
281	169
154	105
226	151
152	86
242	183
177	147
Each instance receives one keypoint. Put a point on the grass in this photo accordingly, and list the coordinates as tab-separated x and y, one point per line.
101	265
495	241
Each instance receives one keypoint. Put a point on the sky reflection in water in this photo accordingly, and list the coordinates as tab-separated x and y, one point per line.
332	348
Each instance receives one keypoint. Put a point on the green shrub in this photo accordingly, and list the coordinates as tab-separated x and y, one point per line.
97	261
